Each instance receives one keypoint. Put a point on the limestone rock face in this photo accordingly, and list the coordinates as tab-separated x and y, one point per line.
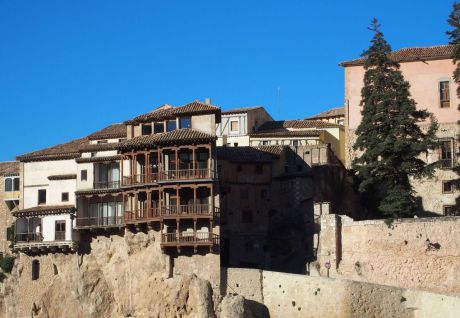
118	275
233	306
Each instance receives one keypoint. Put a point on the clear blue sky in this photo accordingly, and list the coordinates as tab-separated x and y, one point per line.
68	68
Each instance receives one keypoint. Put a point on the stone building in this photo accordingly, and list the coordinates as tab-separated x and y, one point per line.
238	123
334	115
429	72
9	202
300	133
267	199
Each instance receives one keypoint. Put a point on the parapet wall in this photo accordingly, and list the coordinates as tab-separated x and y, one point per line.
291	295
421	254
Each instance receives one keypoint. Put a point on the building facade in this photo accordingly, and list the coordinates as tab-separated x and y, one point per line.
238	123
334	116
429	71
10	185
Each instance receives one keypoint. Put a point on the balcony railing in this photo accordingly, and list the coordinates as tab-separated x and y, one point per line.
205	238
29	237
106	185
100	221
197	210
142	215
186	174
140	179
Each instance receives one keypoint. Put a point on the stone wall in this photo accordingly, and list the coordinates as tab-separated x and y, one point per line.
291	295
419	254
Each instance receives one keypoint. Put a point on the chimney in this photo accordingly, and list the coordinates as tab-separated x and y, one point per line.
207	101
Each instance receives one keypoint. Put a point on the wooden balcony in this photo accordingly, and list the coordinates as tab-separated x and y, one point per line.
99	222
34	243
106	185
186	174
171	212
189	239
170	175
140	179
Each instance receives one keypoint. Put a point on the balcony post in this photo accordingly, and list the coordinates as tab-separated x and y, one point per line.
136	205
177	200
177	230
194	160
194	230
121	169
177	161
194	206
133	168
212	198
147	167
149	202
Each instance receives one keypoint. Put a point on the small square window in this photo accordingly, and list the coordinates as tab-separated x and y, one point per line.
158	128
171	125
234	126
65	196
84	175
100	142
265	142
235	144
448	186
295	143
146	129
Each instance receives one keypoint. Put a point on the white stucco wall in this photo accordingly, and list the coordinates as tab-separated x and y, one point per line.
36	177
88	184
49	226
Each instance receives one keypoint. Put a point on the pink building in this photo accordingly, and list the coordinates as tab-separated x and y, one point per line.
429	71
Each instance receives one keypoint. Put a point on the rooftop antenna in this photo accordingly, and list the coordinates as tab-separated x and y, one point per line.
279	102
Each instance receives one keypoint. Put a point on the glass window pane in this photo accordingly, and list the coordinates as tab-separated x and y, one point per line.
171	125
185	122
16	184
8	185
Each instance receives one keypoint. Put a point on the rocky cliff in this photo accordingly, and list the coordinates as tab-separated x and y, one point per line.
122	275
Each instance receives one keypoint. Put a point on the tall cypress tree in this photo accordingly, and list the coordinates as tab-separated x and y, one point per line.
389	135
454	37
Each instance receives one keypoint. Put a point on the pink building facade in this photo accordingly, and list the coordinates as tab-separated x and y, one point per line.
429	71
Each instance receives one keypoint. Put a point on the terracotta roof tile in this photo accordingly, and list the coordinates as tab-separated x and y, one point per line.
99	147
98	159
286	133
411	54
178	136
68	150
96	191
169	112
9	168
295	124
240	110
63	177
109	132
249	154
333	112
45	209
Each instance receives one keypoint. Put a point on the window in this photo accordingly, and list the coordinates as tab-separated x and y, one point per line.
35	269
445	149
65	196
84	175
99	142
295	143
259	169
244	194
340	121
121	139
235	144
185	122
60	231
265	142
146	129
246	216
171	125
263	194
158	128
444	94
11	184
42	196
448	186
234	126
449	210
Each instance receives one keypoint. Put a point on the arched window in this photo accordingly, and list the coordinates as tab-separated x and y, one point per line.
35	269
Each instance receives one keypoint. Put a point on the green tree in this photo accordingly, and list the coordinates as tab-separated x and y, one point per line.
454	37
389	135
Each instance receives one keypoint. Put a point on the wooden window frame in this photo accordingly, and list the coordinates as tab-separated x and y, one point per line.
448	206
452	153
237	122
452	186
440	90
61	236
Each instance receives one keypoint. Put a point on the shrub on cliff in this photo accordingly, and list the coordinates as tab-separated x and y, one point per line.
6	264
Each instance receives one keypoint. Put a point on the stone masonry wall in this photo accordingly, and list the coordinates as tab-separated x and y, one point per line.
419	254
291	295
